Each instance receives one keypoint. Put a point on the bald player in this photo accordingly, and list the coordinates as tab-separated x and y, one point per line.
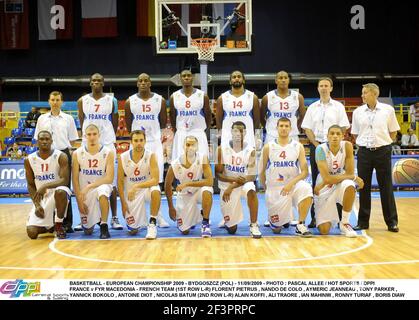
101	110
47	176
194	174
146	111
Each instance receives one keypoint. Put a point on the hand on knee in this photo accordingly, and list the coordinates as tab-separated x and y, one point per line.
232	229
32	232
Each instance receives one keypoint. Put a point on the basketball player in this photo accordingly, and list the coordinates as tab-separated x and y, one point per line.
146	111
237	104
236	171
190	115
282	103
336	182
138	181
93	174
194	174
47	176
285	164
102	110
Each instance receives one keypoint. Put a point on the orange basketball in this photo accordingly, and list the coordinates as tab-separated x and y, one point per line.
406	171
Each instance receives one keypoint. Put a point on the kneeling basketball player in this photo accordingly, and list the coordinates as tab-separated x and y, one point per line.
47	177
93	174
194	174
236	171
138	182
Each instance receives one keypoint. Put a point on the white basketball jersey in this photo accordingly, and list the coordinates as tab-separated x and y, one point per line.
281	108
193	173
45	171
145	115
237	109
92	167
283	164
99	112
335	163
135	172
189	110
235	163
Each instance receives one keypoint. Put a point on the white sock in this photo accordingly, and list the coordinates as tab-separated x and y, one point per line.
59	220
345	216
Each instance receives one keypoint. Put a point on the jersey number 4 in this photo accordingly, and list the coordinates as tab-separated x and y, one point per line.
282	155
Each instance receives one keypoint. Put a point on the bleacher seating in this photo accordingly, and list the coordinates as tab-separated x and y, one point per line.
9	140
17	132
29	132
31	149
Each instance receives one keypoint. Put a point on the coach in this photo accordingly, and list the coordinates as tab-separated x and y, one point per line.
64	133
374	126
320	116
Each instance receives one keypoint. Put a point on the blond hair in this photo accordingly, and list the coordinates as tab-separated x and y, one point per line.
372	87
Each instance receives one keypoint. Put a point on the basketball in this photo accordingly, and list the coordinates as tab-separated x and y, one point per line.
406	171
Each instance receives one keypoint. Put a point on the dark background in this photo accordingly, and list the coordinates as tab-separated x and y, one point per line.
297	36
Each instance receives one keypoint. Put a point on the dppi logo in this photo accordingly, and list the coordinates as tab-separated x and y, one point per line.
20	287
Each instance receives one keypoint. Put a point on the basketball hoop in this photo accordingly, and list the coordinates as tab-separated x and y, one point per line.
205	48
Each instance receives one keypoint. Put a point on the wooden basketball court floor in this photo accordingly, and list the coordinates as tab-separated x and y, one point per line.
376	254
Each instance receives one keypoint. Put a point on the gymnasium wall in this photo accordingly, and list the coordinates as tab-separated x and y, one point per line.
299	36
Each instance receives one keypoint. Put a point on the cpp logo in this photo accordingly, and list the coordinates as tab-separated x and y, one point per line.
20	287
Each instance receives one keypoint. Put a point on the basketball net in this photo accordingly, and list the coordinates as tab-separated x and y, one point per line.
205	48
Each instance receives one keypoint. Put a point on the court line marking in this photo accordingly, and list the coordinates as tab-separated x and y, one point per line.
59	252
322	266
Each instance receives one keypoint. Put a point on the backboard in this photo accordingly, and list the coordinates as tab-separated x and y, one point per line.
179	21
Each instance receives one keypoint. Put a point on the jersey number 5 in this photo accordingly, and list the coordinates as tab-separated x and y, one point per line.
335	165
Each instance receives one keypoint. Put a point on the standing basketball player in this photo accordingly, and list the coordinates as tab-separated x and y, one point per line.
190	115
146	111
336	182
236	171
47	176
282	103
102	110
194	174
237	104
93	174
286	167
138	182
